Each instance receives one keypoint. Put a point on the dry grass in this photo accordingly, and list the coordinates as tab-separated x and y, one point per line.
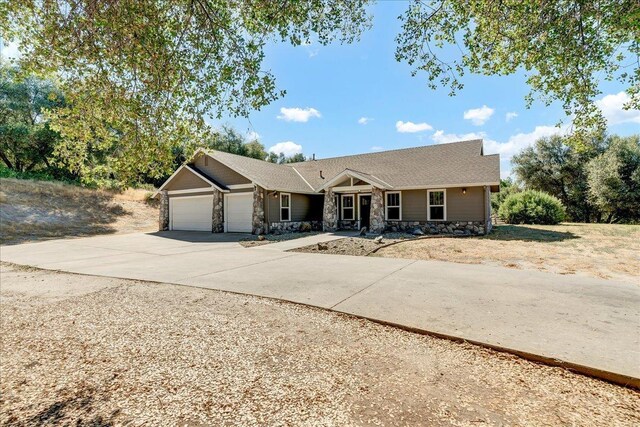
36	210
80	350
608	251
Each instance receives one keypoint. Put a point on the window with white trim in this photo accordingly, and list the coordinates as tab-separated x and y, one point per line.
348	210
437	209
285	207
393	207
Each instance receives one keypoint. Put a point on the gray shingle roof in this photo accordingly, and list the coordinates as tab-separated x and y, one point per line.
458	163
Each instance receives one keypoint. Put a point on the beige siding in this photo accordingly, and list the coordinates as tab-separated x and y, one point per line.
191	194
465	207
186	180
414	205
219	172
304	207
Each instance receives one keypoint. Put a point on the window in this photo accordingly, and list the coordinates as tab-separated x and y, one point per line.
348	212
393	207
285	207
437	205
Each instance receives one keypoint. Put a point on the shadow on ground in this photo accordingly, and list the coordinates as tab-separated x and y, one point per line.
202	236
35	210
528	234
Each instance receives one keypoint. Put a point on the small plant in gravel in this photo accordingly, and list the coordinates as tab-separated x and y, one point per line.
532	207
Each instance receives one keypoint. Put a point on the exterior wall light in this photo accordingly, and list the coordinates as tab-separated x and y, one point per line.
464	190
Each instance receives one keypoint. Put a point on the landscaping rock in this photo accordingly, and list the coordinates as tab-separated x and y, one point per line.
261	237
363	231
322	247
378	239
417	232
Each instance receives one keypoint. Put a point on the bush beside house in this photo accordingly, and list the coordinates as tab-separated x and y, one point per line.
531	207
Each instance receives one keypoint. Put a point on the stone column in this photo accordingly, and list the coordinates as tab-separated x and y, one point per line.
376	215
258	221
329	212
217	216
163	223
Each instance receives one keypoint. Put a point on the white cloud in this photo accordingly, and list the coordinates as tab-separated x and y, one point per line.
508	149
289	148
479	116
612	109
510	116
364	120
298	114
410	127
377	148
252	135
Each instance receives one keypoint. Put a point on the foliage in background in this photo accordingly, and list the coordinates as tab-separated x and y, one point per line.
140	75
531	207
282	159
614	180
553	166
507	188
26	139
565	47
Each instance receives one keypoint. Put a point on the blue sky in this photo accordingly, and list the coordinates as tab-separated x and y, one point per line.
330	88
348	99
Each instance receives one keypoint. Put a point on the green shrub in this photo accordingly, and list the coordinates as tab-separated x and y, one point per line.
531	207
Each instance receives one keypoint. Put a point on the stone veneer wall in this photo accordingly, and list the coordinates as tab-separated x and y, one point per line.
163	222
376	216
294	226
347	224
329	212
439	227
217	216
258	221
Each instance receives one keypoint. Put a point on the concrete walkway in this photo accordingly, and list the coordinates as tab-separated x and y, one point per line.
581	320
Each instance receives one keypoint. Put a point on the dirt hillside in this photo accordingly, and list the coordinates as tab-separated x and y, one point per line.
37	210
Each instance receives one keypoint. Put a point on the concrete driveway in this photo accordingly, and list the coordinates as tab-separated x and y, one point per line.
581	320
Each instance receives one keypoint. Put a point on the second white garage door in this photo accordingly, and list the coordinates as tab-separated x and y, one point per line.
238	212
191	213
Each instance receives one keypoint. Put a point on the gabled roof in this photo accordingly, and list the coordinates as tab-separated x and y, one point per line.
458	163
190	168
269	176
439	165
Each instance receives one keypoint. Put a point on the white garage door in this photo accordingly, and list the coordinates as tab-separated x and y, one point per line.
191	213
238	212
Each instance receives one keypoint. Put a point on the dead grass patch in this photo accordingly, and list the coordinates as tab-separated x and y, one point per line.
35	210
608	251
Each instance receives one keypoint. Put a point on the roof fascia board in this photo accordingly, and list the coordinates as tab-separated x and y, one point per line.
250	178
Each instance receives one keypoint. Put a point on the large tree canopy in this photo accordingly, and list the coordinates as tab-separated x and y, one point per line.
566	47
141	74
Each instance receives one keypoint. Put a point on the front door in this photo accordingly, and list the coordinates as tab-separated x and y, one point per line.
365	210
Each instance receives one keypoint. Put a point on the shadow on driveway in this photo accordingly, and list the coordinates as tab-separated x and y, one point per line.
202	236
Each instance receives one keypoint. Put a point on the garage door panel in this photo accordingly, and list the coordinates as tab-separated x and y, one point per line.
239	212
191	213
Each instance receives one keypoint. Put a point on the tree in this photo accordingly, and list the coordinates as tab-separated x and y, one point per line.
614	180
553	166
564	46
507	187
26	140
282	159
137	73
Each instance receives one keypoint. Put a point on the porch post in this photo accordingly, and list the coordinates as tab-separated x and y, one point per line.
329	212
163	222
217	216
258	223
376	215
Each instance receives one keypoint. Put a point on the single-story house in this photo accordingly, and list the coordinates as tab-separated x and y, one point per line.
442	188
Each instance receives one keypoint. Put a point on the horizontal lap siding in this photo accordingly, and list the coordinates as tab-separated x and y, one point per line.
304	207
219	172
186	180
465	207
414	205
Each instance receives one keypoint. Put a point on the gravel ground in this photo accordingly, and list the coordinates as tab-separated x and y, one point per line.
359	246
273	238
87	350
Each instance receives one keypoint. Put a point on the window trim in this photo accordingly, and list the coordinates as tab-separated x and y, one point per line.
386	205
352	207
444	205
285	207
